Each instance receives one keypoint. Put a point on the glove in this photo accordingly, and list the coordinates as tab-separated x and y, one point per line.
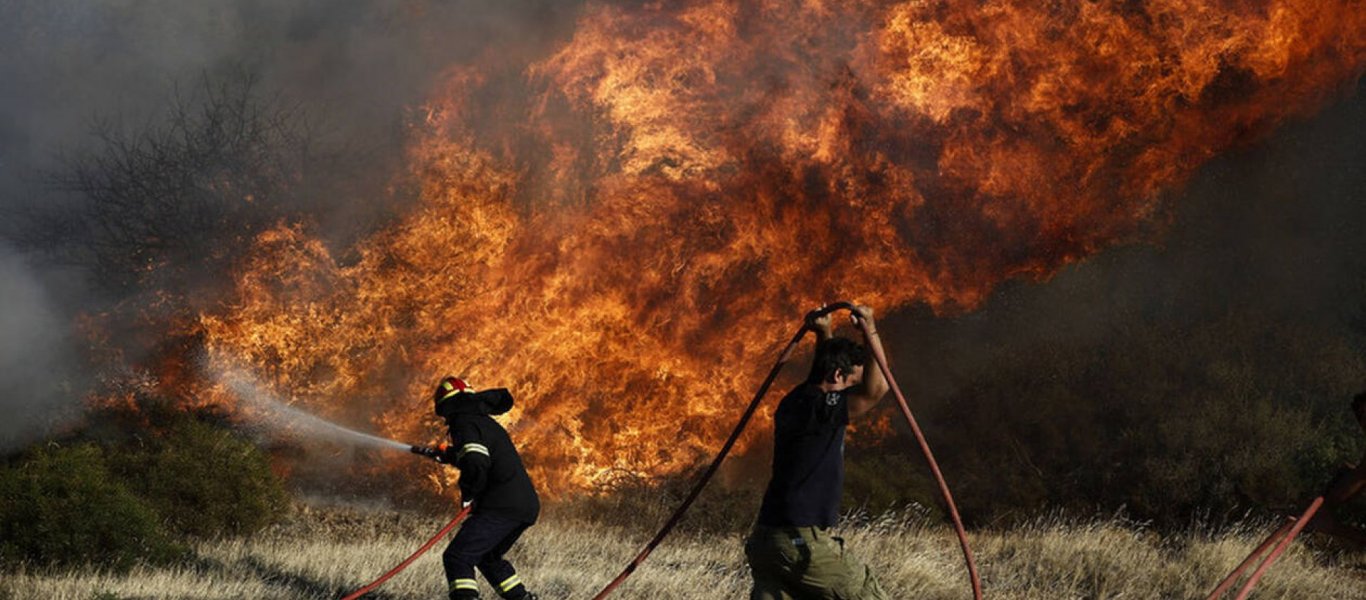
439	454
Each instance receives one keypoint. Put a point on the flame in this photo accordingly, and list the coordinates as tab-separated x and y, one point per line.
622	232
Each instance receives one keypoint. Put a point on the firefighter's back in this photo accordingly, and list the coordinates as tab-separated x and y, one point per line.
508	491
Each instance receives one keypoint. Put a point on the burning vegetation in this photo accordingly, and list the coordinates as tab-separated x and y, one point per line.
618	234
621	219
619	230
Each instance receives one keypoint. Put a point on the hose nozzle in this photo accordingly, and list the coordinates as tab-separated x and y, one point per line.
432	452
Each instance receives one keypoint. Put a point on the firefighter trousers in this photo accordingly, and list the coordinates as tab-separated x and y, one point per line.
806	563
481	543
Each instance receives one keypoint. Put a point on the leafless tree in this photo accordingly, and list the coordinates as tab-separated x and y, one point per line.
185	193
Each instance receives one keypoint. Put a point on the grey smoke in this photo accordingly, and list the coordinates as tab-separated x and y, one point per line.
1277	230
361	63
37	376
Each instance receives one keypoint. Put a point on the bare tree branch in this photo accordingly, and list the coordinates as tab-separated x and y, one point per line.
178	196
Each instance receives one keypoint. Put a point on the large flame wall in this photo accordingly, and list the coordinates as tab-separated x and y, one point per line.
624	231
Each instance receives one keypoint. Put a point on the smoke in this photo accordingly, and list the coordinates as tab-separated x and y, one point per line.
38	392
72	66
66	63
1273	231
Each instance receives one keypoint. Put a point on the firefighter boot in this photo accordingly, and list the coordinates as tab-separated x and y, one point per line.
524	595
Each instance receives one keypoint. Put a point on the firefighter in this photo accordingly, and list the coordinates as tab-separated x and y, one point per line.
791	551
493	479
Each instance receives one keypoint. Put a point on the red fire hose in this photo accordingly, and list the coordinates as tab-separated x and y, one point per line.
1251	558
460	516
1285	534
744	420
934	467
711	470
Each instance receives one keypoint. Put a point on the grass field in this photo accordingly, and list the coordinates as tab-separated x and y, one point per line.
327	553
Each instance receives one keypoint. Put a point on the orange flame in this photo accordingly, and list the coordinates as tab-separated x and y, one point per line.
622	232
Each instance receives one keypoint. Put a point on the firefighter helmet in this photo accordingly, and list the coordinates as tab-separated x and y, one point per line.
449	388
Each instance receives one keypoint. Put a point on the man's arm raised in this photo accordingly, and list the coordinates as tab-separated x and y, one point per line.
874	385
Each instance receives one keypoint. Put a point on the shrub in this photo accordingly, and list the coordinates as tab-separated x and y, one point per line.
888	480
1172	425
61	506
203	480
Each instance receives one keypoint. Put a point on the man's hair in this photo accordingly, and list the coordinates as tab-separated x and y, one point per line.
836	354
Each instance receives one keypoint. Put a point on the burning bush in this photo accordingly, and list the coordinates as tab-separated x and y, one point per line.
63	506
617	229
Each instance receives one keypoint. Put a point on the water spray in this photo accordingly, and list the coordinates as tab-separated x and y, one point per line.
268	409
271	409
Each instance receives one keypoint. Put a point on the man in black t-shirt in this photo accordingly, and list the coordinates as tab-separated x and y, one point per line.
791	553
493	478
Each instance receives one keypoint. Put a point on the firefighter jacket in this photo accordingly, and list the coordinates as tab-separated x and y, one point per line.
491	472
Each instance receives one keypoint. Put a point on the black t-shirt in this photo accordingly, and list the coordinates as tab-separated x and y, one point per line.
808	459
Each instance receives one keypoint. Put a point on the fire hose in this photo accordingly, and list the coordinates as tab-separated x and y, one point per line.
783	357
1285	535
934	468
460	516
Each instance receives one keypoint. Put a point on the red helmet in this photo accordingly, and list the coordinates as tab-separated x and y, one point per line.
450	387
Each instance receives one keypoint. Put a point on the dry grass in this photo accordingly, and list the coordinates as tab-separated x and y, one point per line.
325	554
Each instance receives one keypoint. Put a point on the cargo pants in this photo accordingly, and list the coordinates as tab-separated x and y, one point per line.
801	563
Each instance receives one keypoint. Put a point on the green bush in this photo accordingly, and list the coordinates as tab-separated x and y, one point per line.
156	474
62	506
203	480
